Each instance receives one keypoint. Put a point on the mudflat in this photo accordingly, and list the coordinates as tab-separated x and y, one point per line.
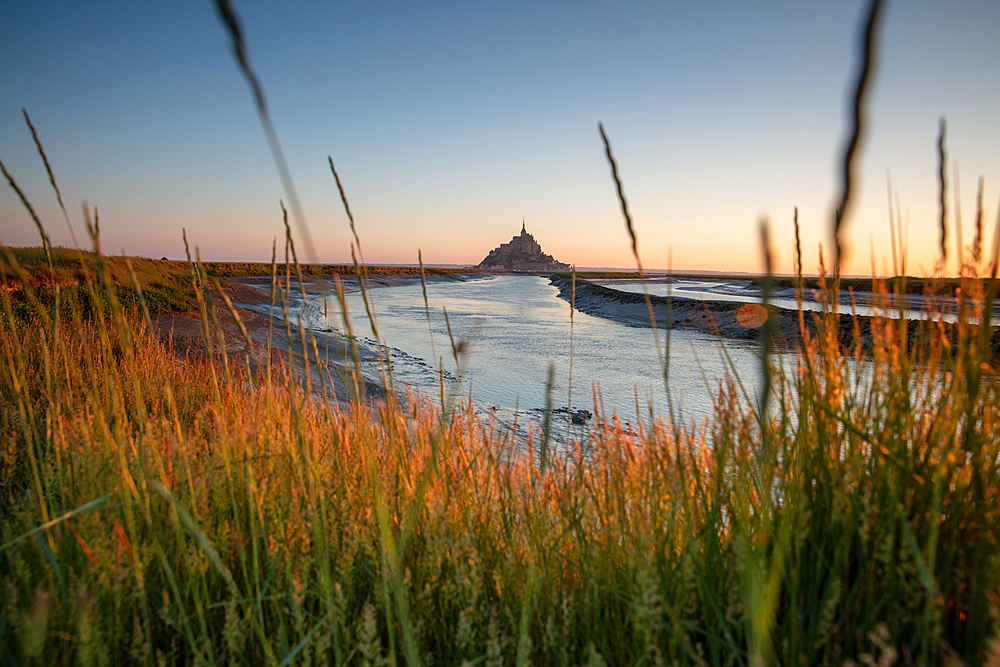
184	334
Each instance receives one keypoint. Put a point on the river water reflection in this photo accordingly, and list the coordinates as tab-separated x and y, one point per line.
514	327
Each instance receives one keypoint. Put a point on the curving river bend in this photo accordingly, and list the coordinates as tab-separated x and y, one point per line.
513	327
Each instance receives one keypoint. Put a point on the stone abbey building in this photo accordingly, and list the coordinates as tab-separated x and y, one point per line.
522	254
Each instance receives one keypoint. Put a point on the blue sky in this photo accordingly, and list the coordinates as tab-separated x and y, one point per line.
450	122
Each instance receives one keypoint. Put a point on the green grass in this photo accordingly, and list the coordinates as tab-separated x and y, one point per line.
154	511
73	274
260	269
160	511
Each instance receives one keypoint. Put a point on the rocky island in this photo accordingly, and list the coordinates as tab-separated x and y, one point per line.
523	253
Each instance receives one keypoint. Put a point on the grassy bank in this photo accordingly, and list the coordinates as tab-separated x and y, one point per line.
161	512
68	281
261	269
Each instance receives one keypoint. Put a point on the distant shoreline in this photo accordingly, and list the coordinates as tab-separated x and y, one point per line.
728	319
166	285
67	261
910	284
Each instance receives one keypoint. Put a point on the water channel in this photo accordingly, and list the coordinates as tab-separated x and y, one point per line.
511	328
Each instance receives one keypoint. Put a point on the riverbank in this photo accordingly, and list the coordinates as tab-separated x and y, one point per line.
34	279
731	319
250	296
247	346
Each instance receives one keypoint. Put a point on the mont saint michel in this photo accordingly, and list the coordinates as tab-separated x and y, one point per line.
523	253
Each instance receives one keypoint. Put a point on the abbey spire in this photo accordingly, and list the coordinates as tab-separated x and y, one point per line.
523	253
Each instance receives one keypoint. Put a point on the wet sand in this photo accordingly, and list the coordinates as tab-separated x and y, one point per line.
183	333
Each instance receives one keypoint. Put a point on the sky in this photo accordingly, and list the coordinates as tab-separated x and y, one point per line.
451	122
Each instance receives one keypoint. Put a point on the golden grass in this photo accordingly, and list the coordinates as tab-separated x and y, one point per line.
154	511
161	511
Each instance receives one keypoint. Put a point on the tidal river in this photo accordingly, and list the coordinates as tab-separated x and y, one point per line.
512	328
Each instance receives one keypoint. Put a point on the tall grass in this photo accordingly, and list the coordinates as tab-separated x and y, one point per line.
163	511
158	511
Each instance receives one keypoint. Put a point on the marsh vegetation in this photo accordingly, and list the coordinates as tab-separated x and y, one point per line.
164	510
